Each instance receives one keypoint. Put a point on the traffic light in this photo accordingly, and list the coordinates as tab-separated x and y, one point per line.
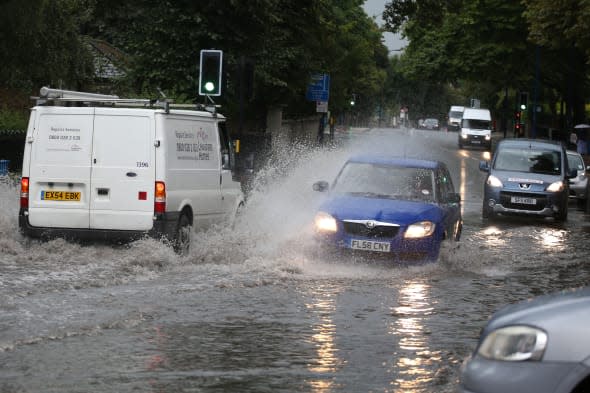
517	123
353	100
210	67
524	97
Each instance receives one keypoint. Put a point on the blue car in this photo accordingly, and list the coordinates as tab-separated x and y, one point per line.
400	208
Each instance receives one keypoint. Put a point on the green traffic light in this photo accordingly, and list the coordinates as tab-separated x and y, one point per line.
523	107
209	86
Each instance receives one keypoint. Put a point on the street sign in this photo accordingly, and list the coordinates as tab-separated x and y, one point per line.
318	88
321	106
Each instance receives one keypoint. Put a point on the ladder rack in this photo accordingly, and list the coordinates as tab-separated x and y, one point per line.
58	95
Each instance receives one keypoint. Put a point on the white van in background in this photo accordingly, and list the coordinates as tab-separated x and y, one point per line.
476	128
92	169
455	116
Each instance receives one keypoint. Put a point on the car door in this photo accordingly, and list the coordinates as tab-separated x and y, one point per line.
61	147
123	170
451	208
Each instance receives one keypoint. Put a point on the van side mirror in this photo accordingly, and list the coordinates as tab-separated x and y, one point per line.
484	166
572	174
321	186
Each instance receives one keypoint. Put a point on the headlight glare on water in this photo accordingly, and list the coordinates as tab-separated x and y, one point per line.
514	344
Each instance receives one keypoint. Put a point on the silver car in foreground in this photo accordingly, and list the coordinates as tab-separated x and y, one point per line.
541	346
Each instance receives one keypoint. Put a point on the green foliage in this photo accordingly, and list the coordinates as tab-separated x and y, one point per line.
12	120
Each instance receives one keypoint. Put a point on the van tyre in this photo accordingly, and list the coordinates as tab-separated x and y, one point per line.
182	237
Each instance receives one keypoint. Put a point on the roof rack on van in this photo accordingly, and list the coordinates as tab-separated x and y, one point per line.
47	95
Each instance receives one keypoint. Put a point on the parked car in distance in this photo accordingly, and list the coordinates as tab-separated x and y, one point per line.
539	345
399	207
430	124
579	184
528	177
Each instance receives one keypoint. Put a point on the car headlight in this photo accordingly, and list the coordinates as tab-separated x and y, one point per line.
420	229
514	344
556	187
325	223
488	137
494	181
464	136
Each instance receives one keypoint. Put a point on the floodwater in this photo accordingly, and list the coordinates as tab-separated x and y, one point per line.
254	310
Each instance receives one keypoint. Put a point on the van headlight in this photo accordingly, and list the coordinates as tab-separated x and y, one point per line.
463	135
556	187
324	222
420	229
488	137
514	344
493	181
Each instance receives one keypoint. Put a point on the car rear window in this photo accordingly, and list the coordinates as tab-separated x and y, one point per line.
529	160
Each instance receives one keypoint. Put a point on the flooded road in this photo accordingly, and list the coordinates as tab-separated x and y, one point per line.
253	310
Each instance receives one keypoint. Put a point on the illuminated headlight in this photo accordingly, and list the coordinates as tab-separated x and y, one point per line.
325	222
494	181
488	137
514	344
556	187
464	136
420	229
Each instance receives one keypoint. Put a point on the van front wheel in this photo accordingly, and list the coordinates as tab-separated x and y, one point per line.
182	238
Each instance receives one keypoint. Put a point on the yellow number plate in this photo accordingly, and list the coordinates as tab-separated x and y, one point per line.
60	196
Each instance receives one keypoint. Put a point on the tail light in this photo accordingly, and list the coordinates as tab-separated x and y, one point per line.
24	192
160	197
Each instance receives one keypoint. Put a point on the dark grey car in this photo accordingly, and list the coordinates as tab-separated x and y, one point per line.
527	177
541	346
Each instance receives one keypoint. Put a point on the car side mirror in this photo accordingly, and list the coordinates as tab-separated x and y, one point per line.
484	166
321	186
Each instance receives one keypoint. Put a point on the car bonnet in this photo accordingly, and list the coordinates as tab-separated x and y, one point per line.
387	210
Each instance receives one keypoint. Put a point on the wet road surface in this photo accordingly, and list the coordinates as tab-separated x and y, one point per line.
253	309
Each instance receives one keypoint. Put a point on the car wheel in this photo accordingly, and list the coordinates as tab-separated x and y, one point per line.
487	212
561	216
182	238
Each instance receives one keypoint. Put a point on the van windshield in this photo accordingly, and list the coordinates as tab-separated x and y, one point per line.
476	124
529	160
455	114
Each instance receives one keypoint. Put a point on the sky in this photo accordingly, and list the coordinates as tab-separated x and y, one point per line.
375	8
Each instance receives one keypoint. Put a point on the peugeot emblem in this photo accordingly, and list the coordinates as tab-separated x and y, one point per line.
370	224
524	186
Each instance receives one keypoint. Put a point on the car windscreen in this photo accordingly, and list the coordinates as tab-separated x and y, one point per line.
529	160
476	124
385	181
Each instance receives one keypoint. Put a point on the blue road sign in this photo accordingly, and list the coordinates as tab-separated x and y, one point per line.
318	88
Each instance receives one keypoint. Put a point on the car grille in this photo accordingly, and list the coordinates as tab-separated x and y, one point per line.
540	205
377	232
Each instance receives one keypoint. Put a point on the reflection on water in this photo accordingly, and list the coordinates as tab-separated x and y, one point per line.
324	331
415	359
551	238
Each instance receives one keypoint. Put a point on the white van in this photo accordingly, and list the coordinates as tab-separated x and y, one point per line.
455	116
476	128
92	169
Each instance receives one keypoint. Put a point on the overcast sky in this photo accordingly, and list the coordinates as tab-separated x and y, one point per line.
375	8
